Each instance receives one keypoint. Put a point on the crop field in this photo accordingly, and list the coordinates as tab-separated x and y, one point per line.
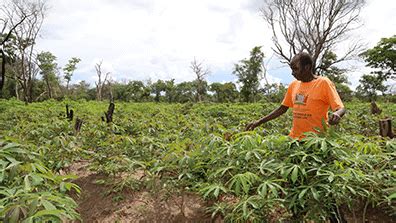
160	162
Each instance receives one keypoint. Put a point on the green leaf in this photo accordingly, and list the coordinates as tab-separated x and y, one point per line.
324	146
48	205
294	174
351	189
36	180
392	196
27	183
14	217
315	194
33	207
62	187
216	192
302	193
215	189
56	213
331	177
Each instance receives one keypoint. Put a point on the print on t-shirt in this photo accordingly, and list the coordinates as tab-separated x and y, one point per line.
301	99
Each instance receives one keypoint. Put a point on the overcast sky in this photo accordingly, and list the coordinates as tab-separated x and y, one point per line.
158	39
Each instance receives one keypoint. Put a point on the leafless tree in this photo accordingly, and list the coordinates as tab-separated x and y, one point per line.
314	26
32	12
5	33
200	72
102	79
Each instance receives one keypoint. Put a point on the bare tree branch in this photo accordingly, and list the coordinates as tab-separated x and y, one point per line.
200	73
32	12
101	82
312	26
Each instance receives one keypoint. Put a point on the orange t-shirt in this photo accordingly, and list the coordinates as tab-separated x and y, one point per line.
310	102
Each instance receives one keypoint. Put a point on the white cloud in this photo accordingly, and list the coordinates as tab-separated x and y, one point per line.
151	39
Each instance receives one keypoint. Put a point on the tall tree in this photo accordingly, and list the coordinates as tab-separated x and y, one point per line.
102	79
170	90
81	90
248	71
49	67
274	92
8	65
137	91
185	92
157	88
200	73
226	92
370	85
69	69
312	26
383	58
26	34
5	34
328	69
336	75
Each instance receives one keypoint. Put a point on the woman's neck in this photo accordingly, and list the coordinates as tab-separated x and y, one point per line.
309	78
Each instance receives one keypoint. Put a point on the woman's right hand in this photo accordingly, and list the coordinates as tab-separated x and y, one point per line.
251	126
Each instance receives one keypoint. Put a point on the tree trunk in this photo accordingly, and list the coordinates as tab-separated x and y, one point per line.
48	88
109	113
3	62
375	109
99	93
16	90
77	126
386	128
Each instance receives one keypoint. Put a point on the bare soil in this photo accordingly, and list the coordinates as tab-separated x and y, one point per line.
97	205
373	215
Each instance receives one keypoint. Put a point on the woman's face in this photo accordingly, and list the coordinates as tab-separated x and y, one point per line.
296	68
299	72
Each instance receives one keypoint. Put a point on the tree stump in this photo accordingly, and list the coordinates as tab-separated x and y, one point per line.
69	113
109	113
375	109
227	136
77	126
386	128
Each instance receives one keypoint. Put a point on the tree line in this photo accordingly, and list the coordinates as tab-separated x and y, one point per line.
316	27
53	84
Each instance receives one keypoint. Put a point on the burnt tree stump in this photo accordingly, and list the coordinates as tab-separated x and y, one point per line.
386	128
69	113
77	125
109	113
375	109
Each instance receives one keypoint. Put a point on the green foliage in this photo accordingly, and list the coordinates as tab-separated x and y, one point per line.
370	85
248	71
157	88
30	192
69	69
202	148
383	57
327	68
226	92
274	92
49	67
